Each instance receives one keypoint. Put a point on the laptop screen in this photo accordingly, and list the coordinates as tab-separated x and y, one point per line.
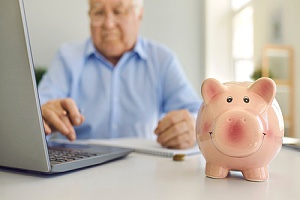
22	143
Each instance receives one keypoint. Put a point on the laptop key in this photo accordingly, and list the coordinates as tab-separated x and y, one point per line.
61	156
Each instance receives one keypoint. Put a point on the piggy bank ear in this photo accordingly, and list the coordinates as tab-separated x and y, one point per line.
264	87
210	88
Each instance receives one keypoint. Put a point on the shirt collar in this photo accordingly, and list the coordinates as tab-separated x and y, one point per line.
90	48
138	49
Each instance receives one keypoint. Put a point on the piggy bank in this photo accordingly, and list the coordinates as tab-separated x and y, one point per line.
239	127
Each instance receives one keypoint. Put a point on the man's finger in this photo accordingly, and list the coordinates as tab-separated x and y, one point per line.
72	111
47	128
180	142
55	121
172	132
71	135
170	119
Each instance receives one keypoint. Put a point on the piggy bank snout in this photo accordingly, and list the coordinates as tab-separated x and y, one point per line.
237	133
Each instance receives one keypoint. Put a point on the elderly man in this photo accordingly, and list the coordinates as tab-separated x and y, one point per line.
118	84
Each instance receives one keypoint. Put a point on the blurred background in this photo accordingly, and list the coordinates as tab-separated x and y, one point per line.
231	40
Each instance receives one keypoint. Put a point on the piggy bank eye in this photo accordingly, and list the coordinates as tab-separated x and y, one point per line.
229	99
246	99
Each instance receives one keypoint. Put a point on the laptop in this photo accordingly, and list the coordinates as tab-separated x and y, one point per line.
23	144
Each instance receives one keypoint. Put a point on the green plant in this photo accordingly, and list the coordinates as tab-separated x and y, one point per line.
39	73
258	74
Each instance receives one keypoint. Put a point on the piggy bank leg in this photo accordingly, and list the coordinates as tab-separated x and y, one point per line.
256	174
215	171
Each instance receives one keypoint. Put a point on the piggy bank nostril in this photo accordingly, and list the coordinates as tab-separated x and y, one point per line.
244	120
229	120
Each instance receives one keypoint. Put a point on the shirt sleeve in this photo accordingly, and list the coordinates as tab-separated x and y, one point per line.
178	93
56	82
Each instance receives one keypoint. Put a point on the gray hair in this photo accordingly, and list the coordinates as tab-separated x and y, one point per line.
139	2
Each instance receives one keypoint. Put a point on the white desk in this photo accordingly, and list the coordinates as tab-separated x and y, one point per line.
142	177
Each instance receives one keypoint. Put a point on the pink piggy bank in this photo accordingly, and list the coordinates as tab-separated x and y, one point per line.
239	127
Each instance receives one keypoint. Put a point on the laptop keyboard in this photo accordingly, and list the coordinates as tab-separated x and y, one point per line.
61	156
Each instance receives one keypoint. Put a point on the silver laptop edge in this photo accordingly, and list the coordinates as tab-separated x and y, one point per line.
19	110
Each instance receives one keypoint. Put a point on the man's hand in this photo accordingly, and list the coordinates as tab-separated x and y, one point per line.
176	130
61	115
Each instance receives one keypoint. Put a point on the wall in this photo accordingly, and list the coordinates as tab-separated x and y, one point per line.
218	40
51	23
177	23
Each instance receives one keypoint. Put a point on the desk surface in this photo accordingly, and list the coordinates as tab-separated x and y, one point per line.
143	177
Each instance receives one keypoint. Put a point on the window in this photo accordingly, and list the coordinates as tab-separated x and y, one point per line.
242	39
238	4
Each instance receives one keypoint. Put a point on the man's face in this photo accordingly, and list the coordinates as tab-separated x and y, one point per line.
114	26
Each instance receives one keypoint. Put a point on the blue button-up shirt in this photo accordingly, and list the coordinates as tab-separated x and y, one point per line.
126	100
